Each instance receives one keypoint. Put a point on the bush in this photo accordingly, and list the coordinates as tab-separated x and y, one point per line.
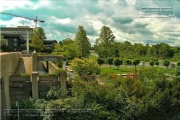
178	71
59	71
178	63
47	50
166	63
55	93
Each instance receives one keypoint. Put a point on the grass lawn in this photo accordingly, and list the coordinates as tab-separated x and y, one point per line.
114	70
130	70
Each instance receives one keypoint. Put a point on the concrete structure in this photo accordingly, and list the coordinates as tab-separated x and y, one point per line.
8	64
17	87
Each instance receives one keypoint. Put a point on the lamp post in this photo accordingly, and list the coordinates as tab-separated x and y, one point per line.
17	105
27	41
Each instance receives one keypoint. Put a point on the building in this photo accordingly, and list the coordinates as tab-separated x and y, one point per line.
17	36
20	30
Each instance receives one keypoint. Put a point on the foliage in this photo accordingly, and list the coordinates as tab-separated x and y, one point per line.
151	96
135	63
103	45
166	63
23	47
37	43
38	32
55	93
110	61
46	50
69	48
57	48
122	70
128	62
178	63
100	61
82	43
128	50
117	62
59	63
178	71
85	66
59	71
2	40
151	63
157	63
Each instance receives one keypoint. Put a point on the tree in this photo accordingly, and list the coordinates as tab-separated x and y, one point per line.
104	42
178	71
100	61
38	32
85	66
69	48
151	63
37	43
128	62
2	40
178	63
117	62
166	63
165	51
110	61
135	63
82	43
157	63
57	48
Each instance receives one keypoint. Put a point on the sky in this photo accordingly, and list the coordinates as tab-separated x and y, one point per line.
136	21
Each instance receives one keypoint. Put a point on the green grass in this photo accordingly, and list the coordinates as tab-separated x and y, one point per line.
93	57
113	70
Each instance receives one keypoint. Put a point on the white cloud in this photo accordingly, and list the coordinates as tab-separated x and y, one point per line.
64	21
10	4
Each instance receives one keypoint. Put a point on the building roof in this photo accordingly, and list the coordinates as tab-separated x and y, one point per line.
49	41
13	35
44	41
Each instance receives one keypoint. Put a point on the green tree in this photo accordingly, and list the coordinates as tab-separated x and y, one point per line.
157	63
104	42
165	51
151	63
178	71
85	66
82	43
135	63
38	32
110	61
117	62
57	48
69	48
128	62
100	61
2	40
178	63
37	43
166	63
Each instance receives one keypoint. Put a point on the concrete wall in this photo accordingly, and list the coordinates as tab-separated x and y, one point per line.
19	88
44	84
52	68
8	64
